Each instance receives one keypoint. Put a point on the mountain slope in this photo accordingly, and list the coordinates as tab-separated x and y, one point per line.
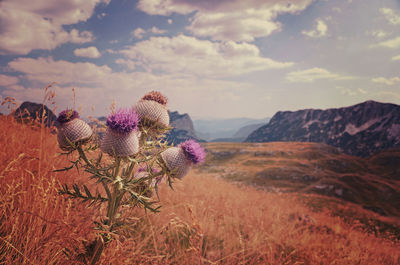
245	131
373	183
360	130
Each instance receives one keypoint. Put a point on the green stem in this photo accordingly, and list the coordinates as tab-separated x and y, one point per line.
113	203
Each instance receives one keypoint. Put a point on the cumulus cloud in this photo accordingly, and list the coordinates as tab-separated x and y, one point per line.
390	15
158	31
225	20
6	80
139	33
320	30
97	85
29	25
387	81
392	43
188	55
310	75
89	52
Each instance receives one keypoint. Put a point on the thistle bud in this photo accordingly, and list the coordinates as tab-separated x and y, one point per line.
121	136
152	109
146	188
179	160
71	129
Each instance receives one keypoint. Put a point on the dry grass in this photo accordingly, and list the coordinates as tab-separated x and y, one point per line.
204	221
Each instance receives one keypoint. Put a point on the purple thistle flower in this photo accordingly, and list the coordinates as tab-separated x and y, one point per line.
123	121
67	115
193	151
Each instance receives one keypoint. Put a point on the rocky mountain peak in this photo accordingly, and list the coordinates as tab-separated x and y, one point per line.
361	129
182	128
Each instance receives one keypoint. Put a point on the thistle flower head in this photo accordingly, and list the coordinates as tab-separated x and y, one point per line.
157	97
123	121
193	151
67	115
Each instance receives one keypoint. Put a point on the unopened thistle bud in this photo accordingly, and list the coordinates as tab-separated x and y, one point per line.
179	160
121	137
152	110
71	129
146	188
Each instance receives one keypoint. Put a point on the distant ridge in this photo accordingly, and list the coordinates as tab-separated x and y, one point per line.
361	129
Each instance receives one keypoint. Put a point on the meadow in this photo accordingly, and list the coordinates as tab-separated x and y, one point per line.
206	219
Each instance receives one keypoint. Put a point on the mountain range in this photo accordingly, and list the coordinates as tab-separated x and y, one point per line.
360	130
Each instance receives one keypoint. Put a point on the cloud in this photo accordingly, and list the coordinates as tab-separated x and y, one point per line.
89	52
99	85
129	64
310	75
378	34
28	25
6	80
225	20
237	26
188	55
386	81
396	58
139	33
390	15
157	31
392	43
320	30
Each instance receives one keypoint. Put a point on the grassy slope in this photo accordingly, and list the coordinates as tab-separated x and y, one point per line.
204	221
312	168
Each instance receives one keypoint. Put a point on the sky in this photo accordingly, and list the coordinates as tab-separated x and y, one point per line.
212	59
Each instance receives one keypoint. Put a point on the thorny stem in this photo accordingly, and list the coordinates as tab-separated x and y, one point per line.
84	157
119	174
112	204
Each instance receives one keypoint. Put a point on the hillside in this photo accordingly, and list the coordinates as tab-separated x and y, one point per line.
205	220
373	183
245	131
361	130
32	111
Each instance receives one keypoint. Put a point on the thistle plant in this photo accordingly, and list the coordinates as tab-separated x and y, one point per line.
128	163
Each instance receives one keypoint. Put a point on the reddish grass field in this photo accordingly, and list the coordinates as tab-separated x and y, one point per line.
205	220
